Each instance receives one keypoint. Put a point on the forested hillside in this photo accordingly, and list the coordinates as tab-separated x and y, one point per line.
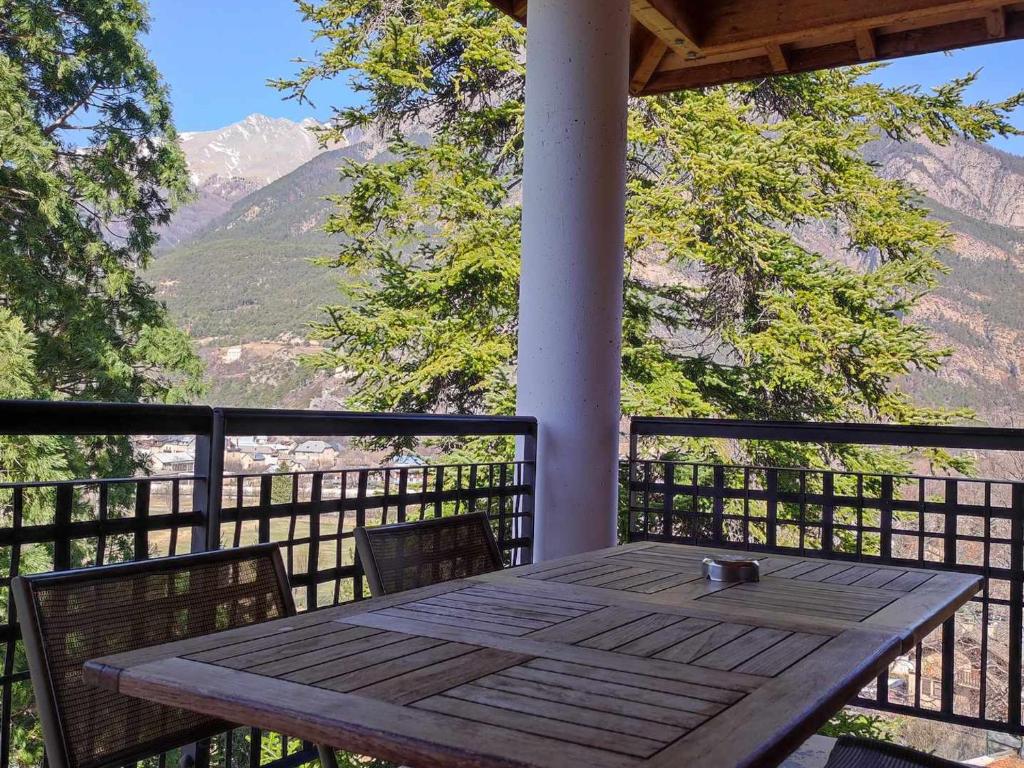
246	275
235	266
977	311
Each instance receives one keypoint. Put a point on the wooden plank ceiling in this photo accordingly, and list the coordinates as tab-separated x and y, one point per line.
680	44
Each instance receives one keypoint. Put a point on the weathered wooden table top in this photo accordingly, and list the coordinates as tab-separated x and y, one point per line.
620	657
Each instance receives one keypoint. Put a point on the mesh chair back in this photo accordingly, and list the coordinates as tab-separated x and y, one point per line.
409	555
68	618
854	752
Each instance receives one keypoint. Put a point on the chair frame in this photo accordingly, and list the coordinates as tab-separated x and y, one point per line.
369	563
54	735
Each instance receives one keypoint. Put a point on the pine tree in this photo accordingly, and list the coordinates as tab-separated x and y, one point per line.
89	168
728	309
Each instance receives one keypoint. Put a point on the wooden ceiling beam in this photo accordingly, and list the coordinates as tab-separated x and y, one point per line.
777	57
671	22
865	40
680	44
679	16
647	56
995	23
888	46
514	8
740	24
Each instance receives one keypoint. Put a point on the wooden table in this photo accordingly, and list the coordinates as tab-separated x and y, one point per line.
622	657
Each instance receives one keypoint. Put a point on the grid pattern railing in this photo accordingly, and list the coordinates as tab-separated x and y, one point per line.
968	672
314	515
62	525
80	523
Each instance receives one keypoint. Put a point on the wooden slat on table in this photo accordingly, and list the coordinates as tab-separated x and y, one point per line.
797	597
839	592
666	637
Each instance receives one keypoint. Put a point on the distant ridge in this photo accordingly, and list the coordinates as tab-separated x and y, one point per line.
246	275
230	162
259	148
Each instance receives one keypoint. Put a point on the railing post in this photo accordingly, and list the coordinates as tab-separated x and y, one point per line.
828	511
771	507
362	480
718	507
207	486
313	559
632	476
62	534
403	487
201	486
949	523
949	625
1016	605
668	502
142	494
263	525
885	518
527	452
439	491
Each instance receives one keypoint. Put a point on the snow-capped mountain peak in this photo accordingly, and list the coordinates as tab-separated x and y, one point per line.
259	149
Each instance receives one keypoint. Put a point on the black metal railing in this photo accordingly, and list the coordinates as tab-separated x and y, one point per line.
315	516
56	525
968	672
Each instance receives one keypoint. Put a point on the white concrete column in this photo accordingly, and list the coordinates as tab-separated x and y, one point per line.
570	304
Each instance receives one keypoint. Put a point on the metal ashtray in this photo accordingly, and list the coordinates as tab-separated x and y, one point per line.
730	570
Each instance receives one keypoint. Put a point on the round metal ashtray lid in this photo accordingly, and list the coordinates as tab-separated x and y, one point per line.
729	569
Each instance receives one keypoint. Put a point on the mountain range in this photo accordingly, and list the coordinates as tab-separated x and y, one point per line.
234	265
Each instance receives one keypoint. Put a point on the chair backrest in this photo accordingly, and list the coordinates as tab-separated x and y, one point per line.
70	617
409	555
858	752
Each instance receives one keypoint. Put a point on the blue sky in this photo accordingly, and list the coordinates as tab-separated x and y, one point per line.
1002	74
218	54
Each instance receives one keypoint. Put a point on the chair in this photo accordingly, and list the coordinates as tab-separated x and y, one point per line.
70	617
852	752
409	555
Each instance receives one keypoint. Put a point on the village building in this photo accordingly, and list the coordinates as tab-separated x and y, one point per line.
172	462
315	454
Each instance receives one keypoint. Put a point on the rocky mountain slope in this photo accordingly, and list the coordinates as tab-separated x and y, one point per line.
229	163
977	311
260	148
246	275
978	181
213	198
235	265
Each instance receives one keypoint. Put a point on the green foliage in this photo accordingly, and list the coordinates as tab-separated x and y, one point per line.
281	485
240	288
851	723
269	389
89	167
25	456
728	310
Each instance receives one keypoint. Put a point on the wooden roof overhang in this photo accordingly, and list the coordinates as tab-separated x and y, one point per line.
681	44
